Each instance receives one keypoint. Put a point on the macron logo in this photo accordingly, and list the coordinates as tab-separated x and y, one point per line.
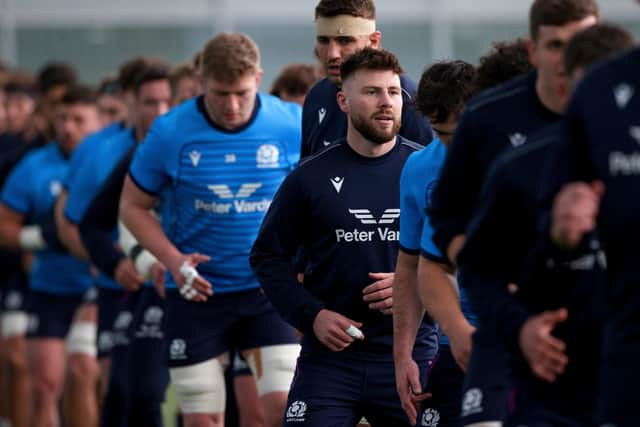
337	183
623	93
365	216
246	190
321	115
195	157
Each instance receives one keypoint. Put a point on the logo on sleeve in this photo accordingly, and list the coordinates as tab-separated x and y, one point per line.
326	143
623	94
517	139
321	115
337	183
195	157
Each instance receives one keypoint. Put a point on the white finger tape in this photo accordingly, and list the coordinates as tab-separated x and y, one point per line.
354	332
190	274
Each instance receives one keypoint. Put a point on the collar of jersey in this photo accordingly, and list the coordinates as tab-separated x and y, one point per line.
203	111
371	160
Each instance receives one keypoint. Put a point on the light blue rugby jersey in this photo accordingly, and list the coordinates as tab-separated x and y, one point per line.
219	183
418	179
89	178
87	147
31	189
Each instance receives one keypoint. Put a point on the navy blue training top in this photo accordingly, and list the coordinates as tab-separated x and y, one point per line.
344	210
324	123
497	119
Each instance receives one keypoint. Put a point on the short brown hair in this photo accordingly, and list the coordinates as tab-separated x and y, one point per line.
595	44
230	56
559	12
80	94
179	72
295	79
370	59
358	8
129	71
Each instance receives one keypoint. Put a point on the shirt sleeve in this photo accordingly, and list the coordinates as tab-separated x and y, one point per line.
149	168
280	236
490	256
18	191
101	218
81	188
458	186
410	215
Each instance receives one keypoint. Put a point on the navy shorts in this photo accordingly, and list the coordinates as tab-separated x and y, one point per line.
446	381
330	391
197	332
51	315
14	293
123	323
110	301
487	387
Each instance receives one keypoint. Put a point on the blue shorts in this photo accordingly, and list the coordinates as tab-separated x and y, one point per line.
110	302
197	332
446	381
487	386
51	315
339	392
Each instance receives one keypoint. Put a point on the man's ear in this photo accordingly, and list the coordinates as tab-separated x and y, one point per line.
342	101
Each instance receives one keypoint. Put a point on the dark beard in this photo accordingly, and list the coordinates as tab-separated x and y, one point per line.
368	131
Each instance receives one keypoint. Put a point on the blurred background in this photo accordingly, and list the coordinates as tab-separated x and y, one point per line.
97	35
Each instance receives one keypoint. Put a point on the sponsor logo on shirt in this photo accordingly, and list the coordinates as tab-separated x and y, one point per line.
384	234
624	164
296	412
233	203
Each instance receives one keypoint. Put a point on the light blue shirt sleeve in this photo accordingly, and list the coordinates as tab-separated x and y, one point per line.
410	215
150	166
81	189
17	192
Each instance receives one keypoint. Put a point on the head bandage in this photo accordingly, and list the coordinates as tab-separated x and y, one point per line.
344	25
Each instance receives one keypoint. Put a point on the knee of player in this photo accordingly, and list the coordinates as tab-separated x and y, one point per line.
82	369
273	367
200	388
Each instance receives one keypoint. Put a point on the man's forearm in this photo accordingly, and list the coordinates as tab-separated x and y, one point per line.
137	217
407	309
437	289
67	231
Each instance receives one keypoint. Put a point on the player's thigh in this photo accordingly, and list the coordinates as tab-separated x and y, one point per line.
445	382
325	393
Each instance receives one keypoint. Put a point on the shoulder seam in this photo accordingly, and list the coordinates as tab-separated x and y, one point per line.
497	97
317	155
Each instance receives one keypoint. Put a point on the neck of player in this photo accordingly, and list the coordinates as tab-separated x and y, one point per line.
365	147
553	98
